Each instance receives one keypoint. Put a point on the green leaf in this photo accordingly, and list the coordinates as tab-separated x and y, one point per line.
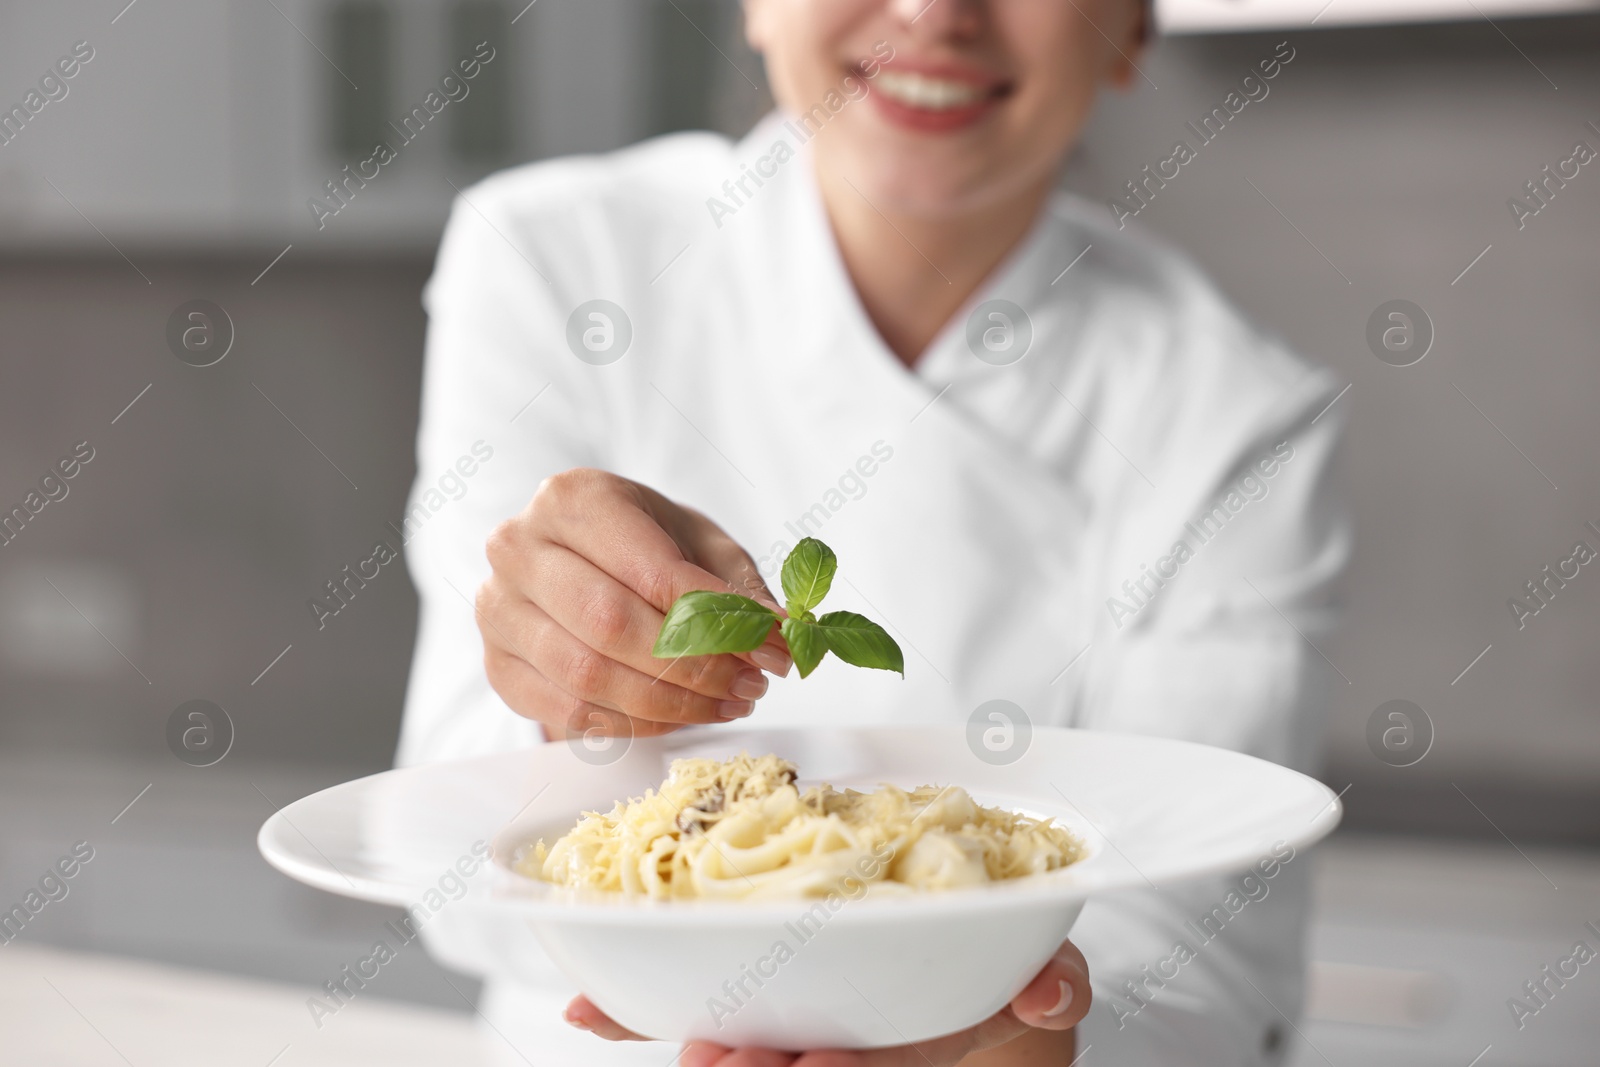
807	574
806	644
703	623
861	642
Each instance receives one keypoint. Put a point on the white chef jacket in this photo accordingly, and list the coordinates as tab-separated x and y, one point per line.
988	511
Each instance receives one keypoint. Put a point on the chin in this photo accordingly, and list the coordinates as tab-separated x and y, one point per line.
918	186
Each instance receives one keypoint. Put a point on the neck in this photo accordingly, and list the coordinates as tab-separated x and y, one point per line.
913	272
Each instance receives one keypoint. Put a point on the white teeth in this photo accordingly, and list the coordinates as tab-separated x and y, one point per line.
933	94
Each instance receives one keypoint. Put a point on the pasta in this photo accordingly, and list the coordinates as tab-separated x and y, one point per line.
743	829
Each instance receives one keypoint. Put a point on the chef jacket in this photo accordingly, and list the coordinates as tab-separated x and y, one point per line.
1100	495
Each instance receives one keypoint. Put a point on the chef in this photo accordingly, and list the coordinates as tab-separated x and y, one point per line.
1074	483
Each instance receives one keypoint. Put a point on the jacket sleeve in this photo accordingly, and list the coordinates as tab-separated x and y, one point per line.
502	397
1229	652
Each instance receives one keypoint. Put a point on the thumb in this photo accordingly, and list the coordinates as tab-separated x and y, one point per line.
704	548
733	565
720	554
1058	997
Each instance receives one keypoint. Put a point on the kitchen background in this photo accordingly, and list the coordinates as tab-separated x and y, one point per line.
178	166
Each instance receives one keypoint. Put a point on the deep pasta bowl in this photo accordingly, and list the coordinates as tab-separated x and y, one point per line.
856	968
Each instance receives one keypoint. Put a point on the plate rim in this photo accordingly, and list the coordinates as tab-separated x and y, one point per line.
510	892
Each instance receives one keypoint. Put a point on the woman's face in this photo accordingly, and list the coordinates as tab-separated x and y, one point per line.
931	107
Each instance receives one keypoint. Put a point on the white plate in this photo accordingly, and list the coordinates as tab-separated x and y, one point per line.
905	969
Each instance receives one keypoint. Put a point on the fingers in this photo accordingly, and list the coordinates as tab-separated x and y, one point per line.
590	676
941	1052
533	696
1058	997
583	1014
705	1054
582	580
619	526
722	556
616	622
649	544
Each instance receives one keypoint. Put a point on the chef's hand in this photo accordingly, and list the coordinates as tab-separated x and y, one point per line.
1034	1029
581	581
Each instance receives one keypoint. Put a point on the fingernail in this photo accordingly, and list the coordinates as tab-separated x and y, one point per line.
574	1021
748	685
1064	1003
770	659
728	710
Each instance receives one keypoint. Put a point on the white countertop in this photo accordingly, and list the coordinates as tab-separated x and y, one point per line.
74	1009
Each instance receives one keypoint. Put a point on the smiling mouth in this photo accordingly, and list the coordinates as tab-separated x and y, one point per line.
931	93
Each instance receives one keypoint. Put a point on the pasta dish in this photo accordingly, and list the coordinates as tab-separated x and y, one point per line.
743	829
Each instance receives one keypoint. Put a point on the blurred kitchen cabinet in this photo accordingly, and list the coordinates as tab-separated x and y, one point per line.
216	123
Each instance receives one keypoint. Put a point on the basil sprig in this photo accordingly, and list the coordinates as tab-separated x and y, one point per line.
704	623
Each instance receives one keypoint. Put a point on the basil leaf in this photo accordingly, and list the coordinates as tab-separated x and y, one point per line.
806	644
703	623
861	642
807	573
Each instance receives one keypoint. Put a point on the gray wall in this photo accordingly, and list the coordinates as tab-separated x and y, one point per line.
1394	152
205	520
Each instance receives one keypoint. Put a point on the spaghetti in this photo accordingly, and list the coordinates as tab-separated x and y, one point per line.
743	829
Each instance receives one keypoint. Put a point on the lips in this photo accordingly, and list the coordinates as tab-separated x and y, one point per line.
936	99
